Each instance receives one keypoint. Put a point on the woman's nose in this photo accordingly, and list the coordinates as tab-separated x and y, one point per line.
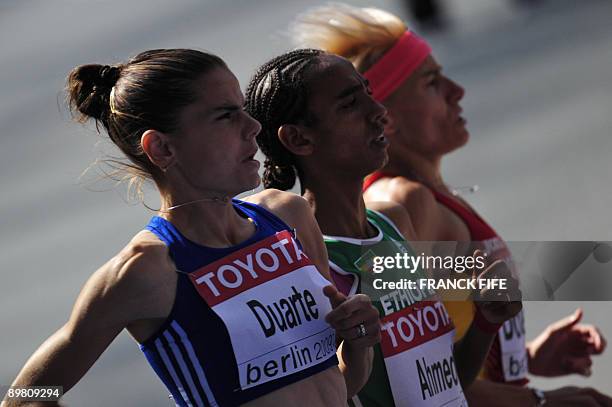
456	91
379	114
253	127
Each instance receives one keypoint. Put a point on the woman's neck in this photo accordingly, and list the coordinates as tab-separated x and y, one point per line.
339	207
418	168
210	221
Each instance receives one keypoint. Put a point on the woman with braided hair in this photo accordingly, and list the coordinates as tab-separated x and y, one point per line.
229	300
424	124
319	123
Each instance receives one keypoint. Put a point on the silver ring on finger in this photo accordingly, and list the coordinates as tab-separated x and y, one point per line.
361	331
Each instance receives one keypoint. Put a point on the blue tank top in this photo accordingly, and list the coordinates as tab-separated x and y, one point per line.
246	320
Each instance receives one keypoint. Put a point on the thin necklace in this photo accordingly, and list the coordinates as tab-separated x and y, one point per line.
216	199
455	191
458	191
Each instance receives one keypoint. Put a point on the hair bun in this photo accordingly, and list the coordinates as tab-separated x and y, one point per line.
276	176
89	87
108	76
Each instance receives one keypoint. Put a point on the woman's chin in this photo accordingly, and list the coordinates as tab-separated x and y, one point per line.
375	166
459	141
249	185
256	182
464	139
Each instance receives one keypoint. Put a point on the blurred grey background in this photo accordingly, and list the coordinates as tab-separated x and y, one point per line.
538	105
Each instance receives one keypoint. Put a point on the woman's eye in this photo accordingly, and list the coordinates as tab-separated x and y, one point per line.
225	116
350	103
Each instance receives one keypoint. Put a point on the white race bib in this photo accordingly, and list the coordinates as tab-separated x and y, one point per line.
513	349
270	297
511	335
417	344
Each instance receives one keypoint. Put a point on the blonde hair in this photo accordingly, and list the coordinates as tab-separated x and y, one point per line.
361	35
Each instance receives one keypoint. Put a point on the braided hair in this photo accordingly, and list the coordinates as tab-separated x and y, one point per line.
276	95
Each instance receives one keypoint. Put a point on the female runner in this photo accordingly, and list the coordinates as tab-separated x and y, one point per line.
320	123
425	123
225	301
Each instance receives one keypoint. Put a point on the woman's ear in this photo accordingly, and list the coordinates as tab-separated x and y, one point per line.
390	124
156	146
296	139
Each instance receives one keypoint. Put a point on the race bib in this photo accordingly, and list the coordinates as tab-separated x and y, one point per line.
417	344
511	335
513	350
270	297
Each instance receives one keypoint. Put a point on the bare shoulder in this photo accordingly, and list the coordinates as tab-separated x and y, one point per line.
414	196
296	212
406	192
425	212
291	208
129	282
397	214
143	257
110	300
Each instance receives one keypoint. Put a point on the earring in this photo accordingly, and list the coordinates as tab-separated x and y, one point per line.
164	169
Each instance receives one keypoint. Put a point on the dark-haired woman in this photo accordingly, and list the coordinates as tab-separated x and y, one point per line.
425	124
225	301
320	123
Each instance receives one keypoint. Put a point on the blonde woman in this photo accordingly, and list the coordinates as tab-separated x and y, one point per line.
424	124
320	125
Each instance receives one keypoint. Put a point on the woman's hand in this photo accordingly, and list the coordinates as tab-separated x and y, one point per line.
565	347
354	318
356	321
496	305
576	396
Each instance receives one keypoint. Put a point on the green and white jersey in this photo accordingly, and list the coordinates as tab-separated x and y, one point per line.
414	363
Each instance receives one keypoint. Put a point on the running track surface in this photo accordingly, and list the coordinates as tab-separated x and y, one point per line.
539	87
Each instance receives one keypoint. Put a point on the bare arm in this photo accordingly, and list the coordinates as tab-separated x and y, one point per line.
355	355
106	305
470	353
425	214
354	352
356	366
63	358
482	393
296	213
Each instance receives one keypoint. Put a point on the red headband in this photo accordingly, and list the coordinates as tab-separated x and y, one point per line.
397	64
